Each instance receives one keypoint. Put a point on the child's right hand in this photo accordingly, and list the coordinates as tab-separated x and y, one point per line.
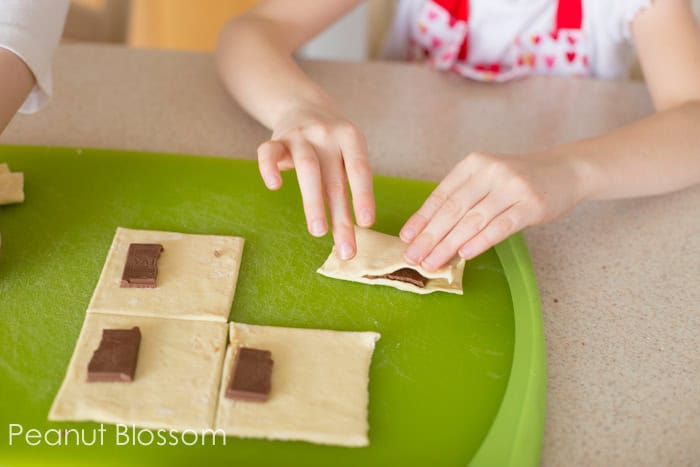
327	152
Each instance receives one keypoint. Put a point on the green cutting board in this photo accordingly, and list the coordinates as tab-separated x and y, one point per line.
454	379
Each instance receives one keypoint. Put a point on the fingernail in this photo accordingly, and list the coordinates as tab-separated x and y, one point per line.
412	254
366	218
272	182
318	228
428	263
466	252
346	251
408	234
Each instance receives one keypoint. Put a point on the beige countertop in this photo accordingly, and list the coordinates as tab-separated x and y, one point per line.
619	281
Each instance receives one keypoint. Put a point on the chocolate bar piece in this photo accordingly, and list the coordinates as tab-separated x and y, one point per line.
404	275
252	372
115	358
141	268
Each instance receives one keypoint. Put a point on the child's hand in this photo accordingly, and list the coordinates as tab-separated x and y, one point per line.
327	152
483	200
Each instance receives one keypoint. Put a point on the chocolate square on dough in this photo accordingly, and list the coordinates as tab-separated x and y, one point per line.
141	268
176	383
320	388
404	275
115	358
193	282
252	371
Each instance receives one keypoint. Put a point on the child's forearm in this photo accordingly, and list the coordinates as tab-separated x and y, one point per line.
16	81
309	134
655	155
258	69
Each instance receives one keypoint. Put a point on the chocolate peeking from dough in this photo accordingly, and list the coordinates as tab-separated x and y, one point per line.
141	268
404	275
115	357
252	373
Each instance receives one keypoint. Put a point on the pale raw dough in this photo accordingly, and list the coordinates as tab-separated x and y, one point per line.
11	187
379	254
319	389
193	282
176	381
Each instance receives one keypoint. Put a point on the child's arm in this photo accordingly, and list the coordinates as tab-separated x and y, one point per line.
488	197
29	35
309	133
16	81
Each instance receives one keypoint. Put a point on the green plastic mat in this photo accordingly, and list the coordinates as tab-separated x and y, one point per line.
454	379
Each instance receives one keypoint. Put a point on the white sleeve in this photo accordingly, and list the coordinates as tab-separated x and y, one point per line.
608	24
628	11
31	30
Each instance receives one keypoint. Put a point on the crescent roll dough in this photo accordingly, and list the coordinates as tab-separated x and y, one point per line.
320	383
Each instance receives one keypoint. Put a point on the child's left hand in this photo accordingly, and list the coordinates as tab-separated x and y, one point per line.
486	198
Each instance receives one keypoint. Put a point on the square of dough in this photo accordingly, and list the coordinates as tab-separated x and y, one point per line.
197	277
11	187
319	391
379	254
176	381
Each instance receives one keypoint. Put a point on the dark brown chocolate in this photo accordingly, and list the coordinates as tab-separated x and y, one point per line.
404	275
251	376
115	358
141	268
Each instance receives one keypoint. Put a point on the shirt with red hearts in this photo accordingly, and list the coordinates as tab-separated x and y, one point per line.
498	40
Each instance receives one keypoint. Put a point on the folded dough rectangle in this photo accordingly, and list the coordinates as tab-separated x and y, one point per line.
319	391
175	385
379	254
197	276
